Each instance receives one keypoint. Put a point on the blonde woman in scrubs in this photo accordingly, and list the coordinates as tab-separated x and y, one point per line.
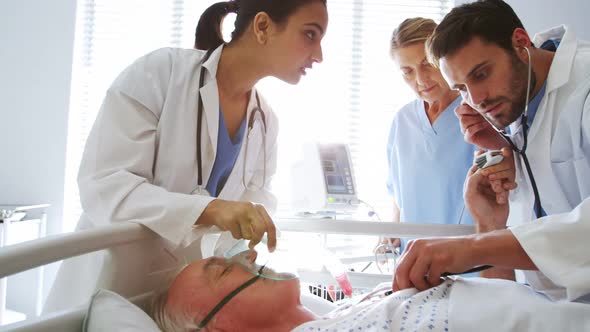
428	158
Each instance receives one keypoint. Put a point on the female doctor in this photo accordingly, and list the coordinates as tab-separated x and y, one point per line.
184	141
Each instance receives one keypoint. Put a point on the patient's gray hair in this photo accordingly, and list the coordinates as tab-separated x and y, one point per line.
170	321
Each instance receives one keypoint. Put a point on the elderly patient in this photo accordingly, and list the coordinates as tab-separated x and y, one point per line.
218	294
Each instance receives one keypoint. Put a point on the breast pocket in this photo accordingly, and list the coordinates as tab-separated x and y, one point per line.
254	157
573	175
569	160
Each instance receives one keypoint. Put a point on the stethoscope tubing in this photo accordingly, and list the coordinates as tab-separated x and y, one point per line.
251	121
522	152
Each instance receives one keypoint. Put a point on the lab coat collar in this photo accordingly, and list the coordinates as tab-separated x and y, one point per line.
561	66
213	61
559	72
211	106
210	95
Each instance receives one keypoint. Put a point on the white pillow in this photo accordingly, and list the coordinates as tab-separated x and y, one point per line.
110	312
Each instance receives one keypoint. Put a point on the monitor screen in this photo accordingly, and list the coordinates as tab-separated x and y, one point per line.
336	169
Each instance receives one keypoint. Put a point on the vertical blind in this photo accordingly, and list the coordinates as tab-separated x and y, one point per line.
351	97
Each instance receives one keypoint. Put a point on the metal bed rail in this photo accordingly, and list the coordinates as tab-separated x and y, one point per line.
360	227
27	255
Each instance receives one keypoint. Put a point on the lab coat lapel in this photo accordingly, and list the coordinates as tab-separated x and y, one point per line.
559	73
234	181
561	66
210	94
211	112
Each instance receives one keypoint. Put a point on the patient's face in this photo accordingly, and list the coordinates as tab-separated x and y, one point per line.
203	284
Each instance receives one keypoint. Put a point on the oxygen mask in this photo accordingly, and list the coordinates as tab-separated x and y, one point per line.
282	264
274	266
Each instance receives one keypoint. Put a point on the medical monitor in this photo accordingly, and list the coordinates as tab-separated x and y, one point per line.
336	168
323	179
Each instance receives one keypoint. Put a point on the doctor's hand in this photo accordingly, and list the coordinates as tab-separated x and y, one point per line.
501	176
489	211
244	220
477	130
425	260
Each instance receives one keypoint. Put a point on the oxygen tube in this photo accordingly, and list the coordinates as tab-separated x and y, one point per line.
338	271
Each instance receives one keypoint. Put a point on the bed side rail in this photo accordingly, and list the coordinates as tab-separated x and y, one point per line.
358	227
27	255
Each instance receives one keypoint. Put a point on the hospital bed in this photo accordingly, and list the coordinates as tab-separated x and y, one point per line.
28	255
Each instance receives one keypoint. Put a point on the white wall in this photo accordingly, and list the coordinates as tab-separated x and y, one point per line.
36	46
538	15
35	61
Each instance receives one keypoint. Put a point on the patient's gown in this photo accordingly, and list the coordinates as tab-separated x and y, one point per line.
461	304
407	310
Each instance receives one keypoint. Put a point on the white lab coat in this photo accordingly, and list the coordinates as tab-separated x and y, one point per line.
140	166
559	154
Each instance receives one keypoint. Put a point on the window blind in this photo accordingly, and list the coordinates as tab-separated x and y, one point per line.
350	97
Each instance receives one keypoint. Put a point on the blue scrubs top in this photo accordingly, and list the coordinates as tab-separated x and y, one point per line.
227	153
428	165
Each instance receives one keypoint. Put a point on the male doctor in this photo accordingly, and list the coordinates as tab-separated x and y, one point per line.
484	52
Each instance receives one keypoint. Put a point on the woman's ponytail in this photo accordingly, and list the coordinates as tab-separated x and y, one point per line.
208	34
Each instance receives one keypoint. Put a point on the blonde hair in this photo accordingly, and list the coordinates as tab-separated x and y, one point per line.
411	31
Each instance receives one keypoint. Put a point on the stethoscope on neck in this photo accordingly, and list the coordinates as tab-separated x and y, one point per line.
257	110
525	129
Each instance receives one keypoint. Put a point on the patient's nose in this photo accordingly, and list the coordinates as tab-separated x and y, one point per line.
251	255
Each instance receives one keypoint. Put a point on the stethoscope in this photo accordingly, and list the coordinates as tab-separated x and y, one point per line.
257	110
522	151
